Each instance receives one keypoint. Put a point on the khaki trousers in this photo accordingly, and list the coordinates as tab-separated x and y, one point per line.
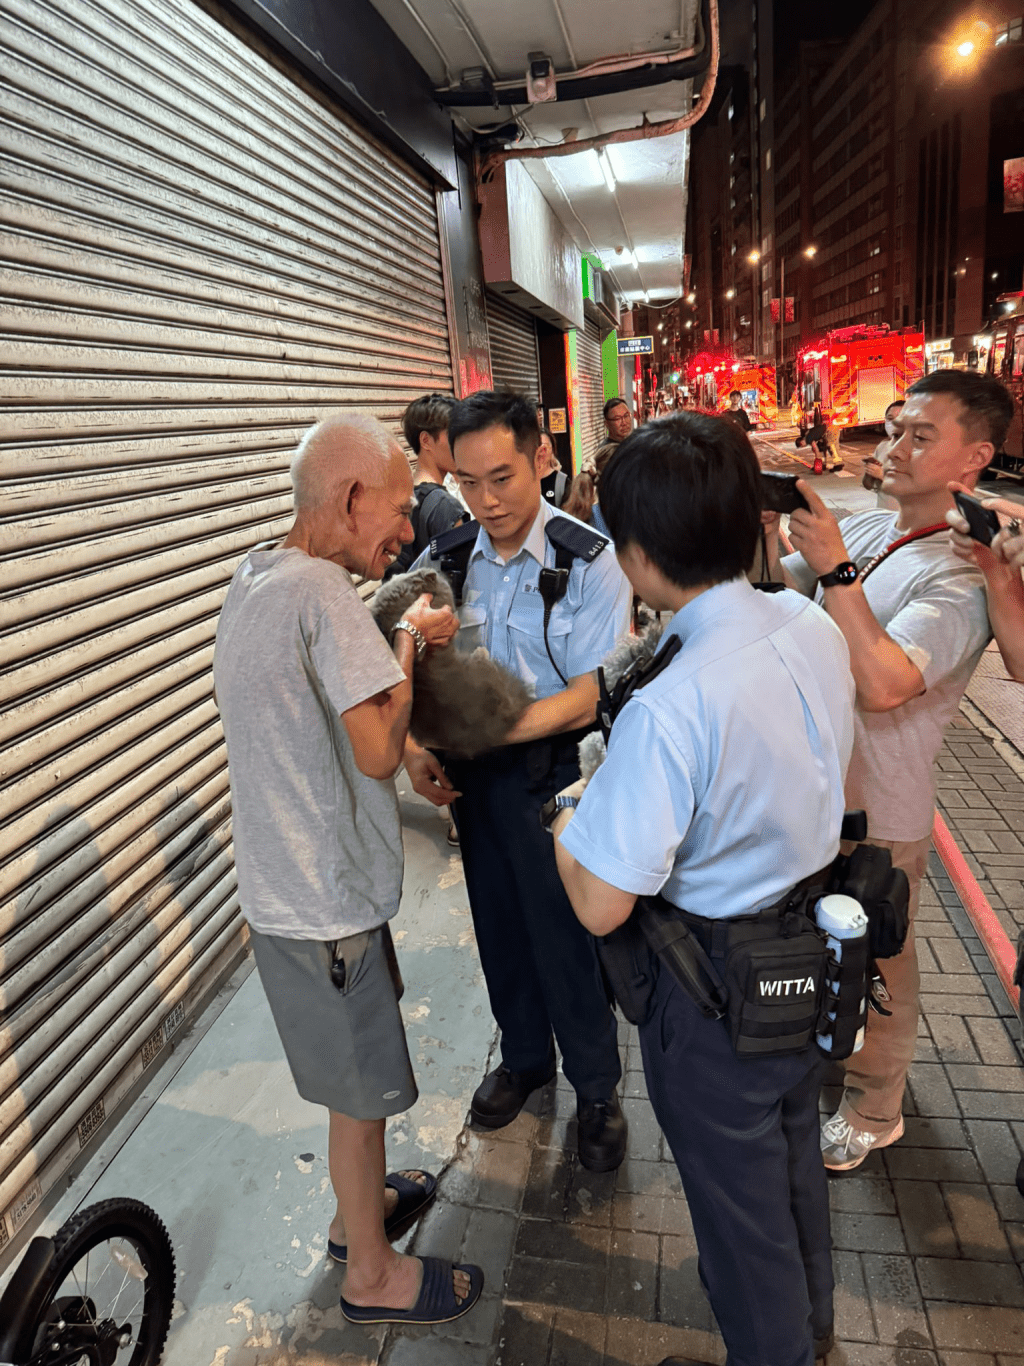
876	1076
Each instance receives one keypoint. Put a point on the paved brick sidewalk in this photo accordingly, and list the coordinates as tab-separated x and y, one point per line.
586	1270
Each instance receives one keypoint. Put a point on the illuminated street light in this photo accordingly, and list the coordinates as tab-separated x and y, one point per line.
689	324
691	298
810	251
965	49
730	294
754	257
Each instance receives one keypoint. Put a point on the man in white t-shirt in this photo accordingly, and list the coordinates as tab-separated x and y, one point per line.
916	624
315	705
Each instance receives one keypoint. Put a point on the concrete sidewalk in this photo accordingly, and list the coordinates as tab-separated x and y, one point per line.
235	1163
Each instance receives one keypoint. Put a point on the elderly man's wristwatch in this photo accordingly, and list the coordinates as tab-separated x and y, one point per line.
844	573
551	808
417	635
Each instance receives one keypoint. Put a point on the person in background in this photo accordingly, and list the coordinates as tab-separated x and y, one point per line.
582	502
1001	563
873	469
554	481
618	421
914	617
822	441
425	426
737	413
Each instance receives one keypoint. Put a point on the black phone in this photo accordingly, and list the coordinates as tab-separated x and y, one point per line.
982	522
779	492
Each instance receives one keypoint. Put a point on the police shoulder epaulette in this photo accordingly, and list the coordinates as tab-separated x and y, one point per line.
455	538
581	541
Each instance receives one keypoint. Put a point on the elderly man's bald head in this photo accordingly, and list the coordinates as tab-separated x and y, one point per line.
336	452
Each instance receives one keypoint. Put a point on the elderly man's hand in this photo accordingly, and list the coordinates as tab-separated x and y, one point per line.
427	776
815	533
437	624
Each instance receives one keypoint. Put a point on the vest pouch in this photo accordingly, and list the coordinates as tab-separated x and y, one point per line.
776	985
630	970
844	1010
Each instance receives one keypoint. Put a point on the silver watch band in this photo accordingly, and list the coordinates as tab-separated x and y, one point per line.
419	638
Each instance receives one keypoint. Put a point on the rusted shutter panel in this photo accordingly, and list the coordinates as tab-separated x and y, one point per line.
588	359
200	259
513	337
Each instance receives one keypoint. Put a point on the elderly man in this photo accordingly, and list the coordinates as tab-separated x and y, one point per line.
315	706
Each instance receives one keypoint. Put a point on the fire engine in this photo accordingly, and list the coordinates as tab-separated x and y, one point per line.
1006	361
712	376
850	376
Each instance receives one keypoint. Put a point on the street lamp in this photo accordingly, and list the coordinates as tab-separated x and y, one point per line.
754	257
810	251
691	298
730	294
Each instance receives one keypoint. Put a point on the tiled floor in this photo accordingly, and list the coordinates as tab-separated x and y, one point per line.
588	1270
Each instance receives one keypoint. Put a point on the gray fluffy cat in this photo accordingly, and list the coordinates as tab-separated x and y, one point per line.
464	704
630	648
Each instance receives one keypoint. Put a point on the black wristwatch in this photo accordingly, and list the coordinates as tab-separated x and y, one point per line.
551	808
844	573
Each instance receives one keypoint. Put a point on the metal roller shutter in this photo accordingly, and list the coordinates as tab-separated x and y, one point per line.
199	259
591	376
513	338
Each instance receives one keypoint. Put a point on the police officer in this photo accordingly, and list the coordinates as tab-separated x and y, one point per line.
544	595
722	790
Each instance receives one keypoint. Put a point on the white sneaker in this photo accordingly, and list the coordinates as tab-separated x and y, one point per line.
844	1147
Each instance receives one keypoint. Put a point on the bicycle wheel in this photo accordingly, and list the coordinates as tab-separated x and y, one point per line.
109	1295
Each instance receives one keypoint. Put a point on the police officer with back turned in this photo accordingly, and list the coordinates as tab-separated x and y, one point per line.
544	595
722	790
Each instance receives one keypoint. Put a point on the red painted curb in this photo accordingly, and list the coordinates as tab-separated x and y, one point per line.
983	917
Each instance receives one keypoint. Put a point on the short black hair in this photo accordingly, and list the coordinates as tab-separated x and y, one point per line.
490	408
611	403
431	413
686	490
896	403
987	404
734	393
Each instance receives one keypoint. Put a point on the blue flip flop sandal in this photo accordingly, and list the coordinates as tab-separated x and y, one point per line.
412	1197
436	1303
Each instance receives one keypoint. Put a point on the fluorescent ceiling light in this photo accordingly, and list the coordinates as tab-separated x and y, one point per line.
606	171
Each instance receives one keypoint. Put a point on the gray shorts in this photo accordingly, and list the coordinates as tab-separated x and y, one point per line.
346	1048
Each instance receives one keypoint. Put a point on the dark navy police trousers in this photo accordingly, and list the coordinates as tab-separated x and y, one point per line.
539	962
745	1137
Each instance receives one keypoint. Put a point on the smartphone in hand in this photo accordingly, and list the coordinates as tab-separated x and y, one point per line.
982	522
779	492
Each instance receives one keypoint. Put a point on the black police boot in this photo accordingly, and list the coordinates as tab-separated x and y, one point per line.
502	1094
602	1134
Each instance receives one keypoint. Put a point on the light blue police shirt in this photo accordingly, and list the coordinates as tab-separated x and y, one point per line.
503	611
723	784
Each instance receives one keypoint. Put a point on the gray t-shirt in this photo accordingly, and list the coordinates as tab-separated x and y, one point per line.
933	605
318	845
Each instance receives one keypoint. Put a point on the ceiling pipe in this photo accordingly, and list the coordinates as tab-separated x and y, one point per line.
665	128
635	73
